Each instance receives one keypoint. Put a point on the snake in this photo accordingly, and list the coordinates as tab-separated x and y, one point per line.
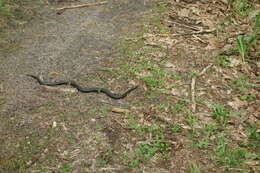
85	90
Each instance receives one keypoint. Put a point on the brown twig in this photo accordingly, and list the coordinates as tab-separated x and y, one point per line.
196	33
195	28
193	100
193	87
61	10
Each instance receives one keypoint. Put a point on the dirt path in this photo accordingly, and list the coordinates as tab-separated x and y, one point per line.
57	131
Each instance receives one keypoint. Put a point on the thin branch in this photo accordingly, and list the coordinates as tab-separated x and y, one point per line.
61	10
193	88
196	33
193	100
205	69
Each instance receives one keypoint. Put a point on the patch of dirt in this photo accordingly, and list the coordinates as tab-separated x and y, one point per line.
57	131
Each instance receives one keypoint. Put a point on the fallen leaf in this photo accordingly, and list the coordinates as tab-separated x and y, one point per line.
120	110
54	124
54	73
234	62
145	87
175	92
184	12
237	103
169	65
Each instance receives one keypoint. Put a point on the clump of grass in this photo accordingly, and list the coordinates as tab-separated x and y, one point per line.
65	167
230	157
242	46
224	61
7	11
149	149
241	7
254	137
220	113
193	168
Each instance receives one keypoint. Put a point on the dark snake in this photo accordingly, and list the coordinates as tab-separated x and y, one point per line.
85	90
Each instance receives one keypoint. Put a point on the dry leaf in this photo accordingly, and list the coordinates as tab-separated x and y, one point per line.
169	65
184	12
234	62
145	87
120	110
54	73
175	92
237	103
54	124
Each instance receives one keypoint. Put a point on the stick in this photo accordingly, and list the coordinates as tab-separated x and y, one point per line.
195	33
184	25
205	69
61	10
193	85
193	100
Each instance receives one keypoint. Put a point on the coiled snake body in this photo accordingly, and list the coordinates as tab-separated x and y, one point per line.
85	90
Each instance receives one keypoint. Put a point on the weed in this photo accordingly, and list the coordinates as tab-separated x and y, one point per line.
176	76
257	23
242	47
210	128
231	157
148	149
190	120
193	73
162	28
154	128
241	83
224	61
98	127
203	144
220	113
200	100
133	163
125	155
65	167
248	97
2	100
105	158
193	168
241	7
178	107
245	42
4	9
254	137
175	127
151	82
129	52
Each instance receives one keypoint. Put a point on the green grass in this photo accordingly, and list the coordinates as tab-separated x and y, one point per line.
242	47
149	149
220	113
241	7
224	61
105	158
193	168
176	127
254	138
65	167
